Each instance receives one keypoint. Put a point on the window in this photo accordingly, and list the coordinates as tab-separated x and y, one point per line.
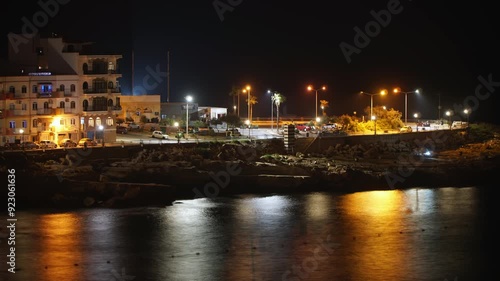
98	121
109	121
35	123
61	122
24	106
12	106
73	88
110	85
46	105
91	122
73	104
62	87
85	85
73	121
12	124
45	89
34	89
62	104
34	106
111	66
12	89
85	105
25	124
24	89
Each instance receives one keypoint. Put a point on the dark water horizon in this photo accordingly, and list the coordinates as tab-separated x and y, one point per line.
411	234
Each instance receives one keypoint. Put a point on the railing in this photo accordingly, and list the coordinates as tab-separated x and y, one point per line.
45	111
97	72
102	90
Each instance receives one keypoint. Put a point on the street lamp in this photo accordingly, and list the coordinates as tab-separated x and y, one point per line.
382	93
269	92
310	88
398	90
448	113
188	100
22	137
248	124
416	117
466	112
177	135
234	109
374	118
101	129
247	90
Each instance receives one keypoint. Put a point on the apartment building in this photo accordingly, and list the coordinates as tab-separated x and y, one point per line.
52	89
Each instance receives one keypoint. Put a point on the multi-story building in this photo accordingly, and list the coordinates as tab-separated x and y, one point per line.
51	89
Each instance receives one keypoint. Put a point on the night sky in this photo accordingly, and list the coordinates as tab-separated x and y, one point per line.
441	48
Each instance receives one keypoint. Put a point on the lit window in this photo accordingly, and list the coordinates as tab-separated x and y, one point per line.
98	121
73	121
109	121
91	122
12	124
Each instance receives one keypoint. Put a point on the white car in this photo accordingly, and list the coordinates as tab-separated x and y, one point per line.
47	144
159	135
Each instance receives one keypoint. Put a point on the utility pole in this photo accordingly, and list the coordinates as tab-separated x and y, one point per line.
168	76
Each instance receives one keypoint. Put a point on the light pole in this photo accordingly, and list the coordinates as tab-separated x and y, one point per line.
416	117
247	90
382	93
374	118
466	112
311	88
272	106
22	137
101	129
398	90
448	113
248	124
234	109
177	134
188	100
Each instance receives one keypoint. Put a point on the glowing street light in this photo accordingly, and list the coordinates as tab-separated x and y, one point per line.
467	112
248	124
247	90
397	90
272	108
449	113
415	115
374	118
382	93
188	100
311	88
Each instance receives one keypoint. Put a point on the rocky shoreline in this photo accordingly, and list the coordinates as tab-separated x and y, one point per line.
157	176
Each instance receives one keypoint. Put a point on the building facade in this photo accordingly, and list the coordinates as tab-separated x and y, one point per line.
51	89
134	107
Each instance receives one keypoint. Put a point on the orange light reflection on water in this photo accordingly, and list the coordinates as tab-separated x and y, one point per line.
61	247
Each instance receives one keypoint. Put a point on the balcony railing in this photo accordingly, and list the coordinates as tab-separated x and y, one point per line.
102	90
45	111
101	72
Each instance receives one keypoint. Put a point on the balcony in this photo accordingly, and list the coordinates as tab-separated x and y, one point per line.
101	72
63	110
63	94
46	111
102	90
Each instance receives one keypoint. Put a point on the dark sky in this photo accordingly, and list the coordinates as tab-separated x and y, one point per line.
441	48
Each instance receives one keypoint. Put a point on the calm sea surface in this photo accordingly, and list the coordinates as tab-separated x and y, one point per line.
414	234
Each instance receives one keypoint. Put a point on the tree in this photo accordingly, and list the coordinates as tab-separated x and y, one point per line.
278	99
232	120
252	102
324	104
235	93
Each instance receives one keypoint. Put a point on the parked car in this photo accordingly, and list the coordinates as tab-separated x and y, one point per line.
405	129
12	146
121	130
159	135
132	125
67	143
233	132
29	145
47	144
88	141
303	127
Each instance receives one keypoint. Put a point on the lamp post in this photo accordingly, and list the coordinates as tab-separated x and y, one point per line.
416	117
382	93
466	112
247	90
234	109
272	103
448	113
22	137
177	135
398	90
374	118
101	130
248	124
311	88
188	100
